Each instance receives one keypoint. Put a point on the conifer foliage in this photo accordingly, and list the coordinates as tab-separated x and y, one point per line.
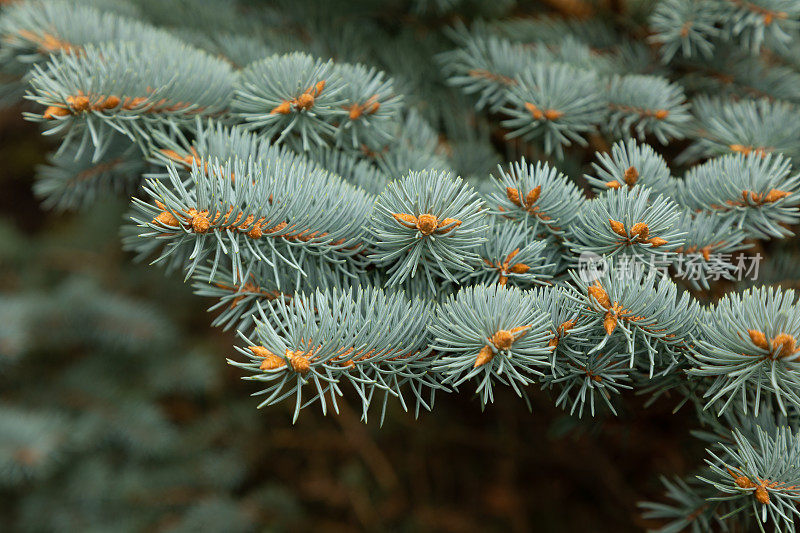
568	196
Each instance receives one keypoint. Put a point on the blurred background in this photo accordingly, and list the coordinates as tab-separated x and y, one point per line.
119	412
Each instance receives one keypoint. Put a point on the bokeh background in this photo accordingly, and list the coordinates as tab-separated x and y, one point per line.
118	412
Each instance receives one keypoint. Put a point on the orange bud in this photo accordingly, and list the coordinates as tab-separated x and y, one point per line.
255	232
739	148
165	218
271	361
448	224
503	339
305	101
355	112
427	223
758	338
484	356
640	230
533	110
599	294
300	363
533	195
612	184
655	242
610	322
131	103
631	176
519	268
55	111
661	114
552	114
110	103
762	495
78	103
513	195
784	345
617	227
774	195
200	223
283	109
410	221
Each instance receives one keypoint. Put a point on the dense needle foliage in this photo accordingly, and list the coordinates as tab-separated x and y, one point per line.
580	196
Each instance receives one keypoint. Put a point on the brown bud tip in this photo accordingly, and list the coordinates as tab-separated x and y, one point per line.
631	176
255	232
133	103
409	221
758	338
519	268
319	87
111	102
172	154
427	223
610	323
448	224
55	111
305	101
552	114
743	482
533	195
165	218
762	495
774	195
739	148
78	103
566	326
784	345
259	351
655	242
271	362
613	184
355	112
599	294
640	230
283	109
513	195
535	111
484	356
617	227
503	339
661	114
300	363
200	223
